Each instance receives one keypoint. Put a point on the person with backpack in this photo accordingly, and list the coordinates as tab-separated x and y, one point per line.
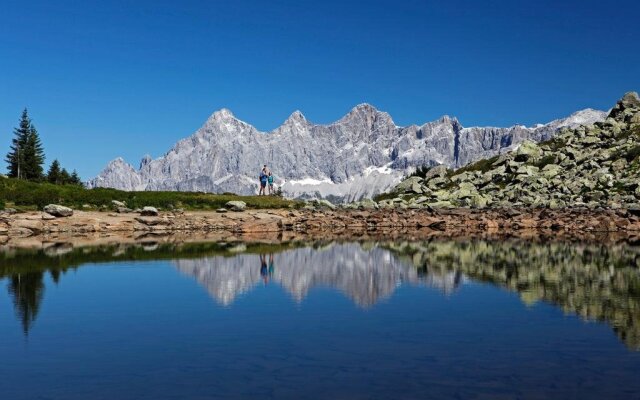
270	178
263	181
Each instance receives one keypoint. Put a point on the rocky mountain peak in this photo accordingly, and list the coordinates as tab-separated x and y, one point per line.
145	160
358	156
296	118
224	114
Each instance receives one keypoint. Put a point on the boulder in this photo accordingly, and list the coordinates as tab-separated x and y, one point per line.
58	211
117	203
480	201
236	205
465	190
368	204
436	172
149	211
528	151
408	184
221	210
326	203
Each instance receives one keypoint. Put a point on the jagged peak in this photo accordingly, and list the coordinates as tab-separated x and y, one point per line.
117	160
296	116
364	107
145	160
118	163
445	119
223	113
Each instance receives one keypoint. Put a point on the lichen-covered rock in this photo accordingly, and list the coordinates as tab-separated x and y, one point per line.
591	166
528	150
58	211
236	205
149	211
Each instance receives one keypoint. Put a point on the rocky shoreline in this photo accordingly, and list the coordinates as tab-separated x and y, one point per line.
575	223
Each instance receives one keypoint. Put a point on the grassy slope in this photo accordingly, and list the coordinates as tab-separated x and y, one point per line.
31	195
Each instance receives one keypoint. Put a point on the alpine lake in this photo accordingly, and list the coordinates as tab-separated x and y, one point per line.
306	319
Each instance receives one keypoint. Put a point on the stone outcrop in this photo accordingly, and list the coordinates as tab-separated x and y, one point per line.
592	166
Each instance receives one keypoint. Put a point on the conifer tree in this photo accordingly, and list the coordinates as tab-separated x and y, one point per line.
26	155
65	178
75	178
15	157
53	175
33	156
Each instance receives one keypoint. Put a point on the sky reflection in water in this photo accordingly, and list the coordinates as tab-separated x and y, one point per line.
322	320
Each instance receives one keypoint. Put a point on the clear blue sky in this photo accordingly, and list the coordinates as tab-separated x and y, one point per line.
123	78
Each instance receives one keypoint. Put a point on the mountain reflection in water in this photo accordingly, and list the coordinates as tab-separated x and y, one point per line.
595	282
365	274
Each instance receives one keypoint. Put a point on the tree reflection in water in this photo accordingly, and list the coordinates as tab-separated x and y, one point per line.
27	291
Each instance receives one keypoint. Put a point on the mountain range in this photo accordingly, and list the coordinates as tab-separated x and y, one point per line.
360	155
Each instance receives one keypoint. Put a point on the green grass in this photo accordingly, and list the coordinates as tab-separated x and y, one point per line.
31	195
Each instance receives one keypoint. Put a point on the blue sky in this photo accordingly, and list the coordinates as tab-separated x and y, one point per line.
120	78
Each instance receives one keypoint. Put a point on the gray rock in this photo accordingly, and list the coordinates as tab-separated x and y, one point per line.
325	203
221	210
409	183
117	203
149	211
439	171
58	211
236	205
528	151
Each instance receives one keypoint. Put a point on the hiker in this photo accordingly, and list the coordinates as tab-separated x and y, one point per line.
271	267
264	272
263	181
270	180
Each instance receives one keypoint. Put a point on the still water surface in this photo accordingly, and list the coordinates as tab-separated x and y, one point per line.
361	320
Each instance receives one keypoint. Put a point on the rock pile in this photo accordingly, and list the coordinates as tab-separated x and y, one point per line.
589	166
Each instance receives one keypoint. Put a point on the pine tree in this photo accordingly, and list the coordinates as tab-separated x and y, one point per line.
53	175
15	157
65	178
75	178
26	155
33	156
